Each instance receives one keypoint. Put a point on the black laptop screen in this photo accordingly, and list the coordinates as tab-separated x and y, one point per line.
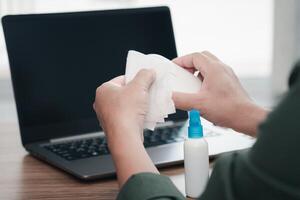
58	60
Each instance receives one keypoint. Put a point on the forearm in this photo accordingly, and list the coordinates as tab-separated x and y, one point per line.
130	157
270	169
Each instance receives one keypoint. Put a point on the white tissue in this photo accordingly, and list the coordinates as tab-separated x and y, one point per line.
169	78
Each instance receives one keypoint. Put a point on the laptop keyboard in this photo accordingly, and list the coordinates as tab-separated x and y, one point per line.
90	147
78	149
162	136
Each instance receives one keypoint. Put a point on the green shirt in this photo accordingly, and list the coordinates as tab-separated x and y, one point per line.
269	170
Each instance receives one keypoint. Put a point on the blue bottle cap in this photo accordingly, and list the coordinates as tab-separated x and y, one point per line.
195	128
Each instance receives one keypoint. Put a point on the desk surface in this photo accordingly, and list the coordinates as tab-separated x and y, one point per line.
24	177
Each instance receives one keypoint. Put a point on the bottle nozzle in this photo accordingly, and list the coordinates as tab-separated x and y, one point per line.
195	128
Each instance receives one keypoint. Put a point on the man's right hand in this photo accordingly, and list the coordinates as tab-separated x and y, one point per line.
221	100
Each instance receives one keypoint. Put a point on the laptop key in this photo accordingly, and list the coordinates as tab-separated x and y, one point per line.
90	147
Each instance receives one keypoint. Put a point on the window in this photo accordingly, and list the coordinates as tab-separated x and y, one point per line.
239	32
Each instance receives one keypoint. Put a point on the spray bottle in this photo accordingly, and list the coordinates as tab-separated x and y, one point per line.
196	162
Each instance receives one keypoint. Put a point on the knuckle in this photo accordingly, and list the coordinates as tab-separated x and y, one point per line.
229	69
104	85
146	74
101	88
205	52
200	55
143	72
151	74
98	90
197	54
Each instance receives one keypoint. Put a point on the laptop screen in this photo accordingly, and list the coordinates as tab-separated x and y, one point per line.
58	60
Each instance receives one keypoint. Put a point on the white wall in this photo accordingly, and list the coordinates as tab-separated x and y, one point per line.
238	31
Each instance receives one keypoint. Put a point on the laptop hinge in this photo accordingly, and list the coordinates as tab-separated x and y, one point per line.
77	137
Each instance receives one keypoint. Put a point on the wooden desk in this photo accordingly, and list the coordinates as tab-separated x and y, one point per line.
24	177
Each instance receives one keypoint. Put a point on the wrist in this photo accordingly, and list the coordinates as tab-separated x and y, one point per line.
247	118
123	138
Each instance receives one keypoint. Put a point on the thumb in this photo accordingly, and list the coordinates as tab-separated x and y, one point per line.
144	78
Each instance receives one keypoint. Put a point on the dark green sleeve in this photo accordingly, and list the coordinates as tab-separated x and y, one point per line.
149	186
271	169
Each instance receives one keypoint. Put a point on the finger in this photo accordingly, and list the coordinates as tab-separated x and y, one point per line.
212	56
119	80
198	61
184	61
186	101
178	62
144	78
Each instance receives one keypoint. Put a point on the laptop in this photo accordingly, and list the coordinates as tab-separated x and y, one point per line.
58	60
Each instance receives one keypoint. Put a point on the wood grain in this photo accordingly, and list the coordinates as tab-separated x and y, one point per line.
24	177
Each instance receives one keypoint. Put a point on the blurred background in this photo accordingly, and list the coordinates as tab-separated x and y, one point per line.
239	32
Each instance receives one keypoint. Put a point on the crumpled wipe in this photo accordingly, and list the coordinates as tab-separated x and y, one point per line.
169	77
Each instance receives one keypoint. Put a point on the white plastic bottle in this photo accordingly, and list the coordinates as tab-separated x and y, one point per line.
196	161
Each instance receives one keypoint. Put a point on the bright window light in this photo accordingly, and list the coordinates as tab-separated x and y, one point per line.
239	32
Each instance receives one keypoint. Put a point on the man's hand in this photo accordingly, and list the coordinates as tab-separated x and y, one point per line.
121	110
222	100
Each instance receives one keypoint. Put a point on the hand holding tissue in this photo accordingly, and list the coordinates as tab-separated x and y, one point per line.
169	78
